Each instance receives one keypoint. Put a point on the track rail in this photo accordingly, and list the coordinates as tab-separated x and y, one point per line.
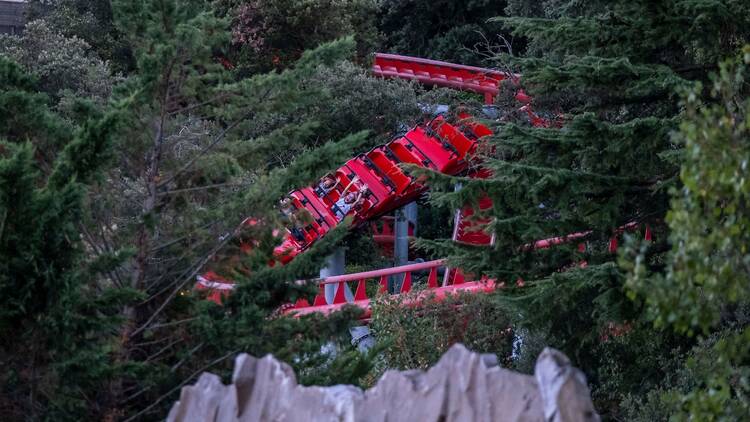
437	73
439	145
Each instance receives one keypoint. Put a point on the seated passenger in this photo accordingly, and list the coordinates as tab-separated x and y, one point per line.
287	207
298	219
326	185
342	207
297	234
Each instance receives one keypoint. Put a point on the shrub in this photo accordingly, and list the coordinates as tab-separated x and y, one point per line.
418	336
64	65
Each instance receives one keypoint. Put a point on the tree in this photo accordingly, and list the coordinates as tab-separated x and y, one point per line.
704	287
613	70
63	65
188	174
56	334
147	190
272	34
443	29
91	21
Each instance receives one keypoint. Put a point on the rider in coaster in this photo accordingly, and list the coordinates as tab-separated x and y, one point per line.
297	218
326	185
347	202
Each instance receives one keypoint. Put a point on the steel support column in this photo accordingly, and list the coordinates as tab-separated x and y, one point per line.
335	265
405	215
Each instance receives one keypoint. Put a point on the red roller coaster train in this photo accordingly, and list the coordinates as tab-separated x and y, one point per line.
373	184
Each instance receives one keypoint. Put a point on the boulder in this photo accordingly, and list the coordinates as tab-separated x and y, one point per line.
462	386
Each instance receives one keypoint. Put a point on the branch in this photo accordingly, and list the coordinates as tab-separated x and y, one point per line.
163	349
88	238
181	238
213	143
218	185
205	149
181	284
192	351
173	323
176	275
201	104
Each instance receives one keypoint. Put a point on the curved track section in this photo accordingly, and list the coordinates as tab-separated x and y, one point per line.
374	183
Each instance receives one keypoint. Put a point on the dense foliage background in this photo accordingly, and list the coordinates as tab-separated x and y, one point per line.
137	135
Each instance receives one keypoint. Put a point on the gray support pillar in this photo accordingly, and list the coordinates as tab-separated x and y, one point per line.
411	210
404	216
335	265
456	225
400	239
457	215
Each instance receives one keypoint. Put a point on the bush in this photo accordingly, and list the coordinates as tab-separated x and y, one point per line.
442	29
418	336
271	34
64	65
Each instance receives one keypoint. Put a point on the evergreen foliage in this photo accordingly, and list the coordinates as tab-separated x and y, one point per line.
172	201
53	327
136	136
704	287
445	30
612	73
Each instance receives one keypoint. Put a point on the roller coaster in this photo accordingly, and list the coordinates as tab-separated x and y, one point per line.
374	183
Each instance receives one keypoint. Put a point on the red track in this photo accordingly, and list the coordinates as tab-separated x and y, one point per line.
437	73
438	145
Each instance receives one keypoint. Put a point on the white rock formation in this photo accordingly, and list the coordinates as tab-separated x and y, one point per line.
462	386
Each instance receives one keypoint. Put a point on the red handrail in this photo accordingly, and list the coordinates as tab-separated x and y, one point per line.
380	199
302	307
383	272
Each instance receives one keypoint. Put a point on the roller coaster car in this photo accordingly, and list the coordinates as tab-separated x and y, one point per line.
315	222
384	186
322	220
406	152
379	187
437	145
462	139
326	185
387	164
444	156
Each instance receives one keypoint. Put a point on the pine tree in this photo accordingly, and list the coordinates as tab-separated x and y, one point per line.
612	73
55	332
188	173
704	287
439	29
135	198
